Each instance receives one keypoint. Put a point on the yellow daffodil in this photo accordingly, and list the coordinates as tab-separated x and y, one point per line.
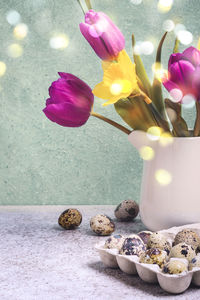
119	79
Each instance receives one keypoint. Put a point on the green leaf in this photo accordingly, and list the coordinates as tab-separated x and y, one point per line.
141	72
157	97
135	112
180	127
176	46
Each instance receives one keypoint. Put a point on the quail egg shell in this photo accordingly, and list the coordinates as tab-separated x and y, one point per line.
127	210
145	235
132	246
154	256
195	262
175	266
183	250
70	218
189	237
102	225
158	240
114	242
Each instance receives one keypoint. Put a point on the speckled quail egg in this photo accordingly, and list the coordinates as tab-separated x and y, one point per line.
127	210
158	240
132	246
145	235
175	266
102	225
189	237
154	256
70	218
183	250
114	242
195	262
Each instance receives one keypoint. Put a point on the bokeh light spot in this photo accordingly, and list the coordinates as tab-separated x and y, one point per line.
15	50
176	95
116	88
163	177
13	17
159	72
168	25
166	139
98	28
164	5
2	68
59	42
121	86
146	153
154	133
20	31
147	48
185	37
179	27
188	101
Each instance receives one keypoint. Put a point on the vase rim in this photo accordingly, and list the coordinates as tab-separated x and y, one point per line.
175	137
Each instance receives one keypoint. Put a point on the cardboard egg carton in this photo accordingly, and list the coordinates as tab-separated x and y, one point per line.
129	264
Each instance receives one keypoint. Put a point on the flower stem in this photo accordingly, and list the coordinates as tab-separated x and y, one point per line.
88	3
83	10
113	123
197	122
161	122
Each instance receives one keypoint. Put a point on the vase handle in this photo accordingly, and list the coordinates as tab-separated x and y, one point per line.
139	139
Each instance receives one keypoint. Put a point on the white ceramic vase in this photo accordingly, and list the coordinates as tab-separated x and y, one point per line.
170	190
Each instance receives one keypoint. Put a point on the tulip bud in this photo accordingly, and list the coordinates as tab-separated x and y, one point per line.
184	74
101	33
70	101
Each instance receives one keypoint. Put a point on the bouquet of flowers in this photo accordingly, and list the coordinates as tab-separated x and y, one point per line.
125	84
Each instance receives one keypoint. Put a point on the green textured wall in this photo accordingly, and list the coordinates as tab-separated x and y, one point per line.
42	162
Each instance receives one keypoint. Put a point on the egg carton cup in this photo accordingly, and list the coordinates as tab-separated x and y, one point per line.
151	273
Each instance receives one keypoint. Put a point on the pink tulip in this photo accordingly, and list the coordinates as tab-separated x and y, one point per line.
70	101
103	36
184	74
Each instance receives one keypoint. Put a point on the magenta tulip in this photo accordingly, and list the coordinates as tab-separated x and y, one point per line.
184	74
70	101
101	33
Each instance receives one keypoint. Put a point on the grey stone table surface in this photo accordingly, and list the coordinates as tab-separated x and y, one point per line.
40	260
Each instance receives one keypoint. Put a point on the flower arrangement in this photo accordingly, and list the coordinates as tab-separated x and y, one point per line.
125	84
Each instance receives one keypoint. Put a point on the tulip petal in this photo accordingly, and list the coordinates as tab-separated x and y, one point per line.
170	85
102	34
96	43
77	83
193	55
196	83
175	57
181	72
66	114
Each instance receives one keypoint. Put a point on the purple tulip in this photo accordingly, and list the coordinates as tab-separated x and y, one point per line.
70	101
184	74
103	36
